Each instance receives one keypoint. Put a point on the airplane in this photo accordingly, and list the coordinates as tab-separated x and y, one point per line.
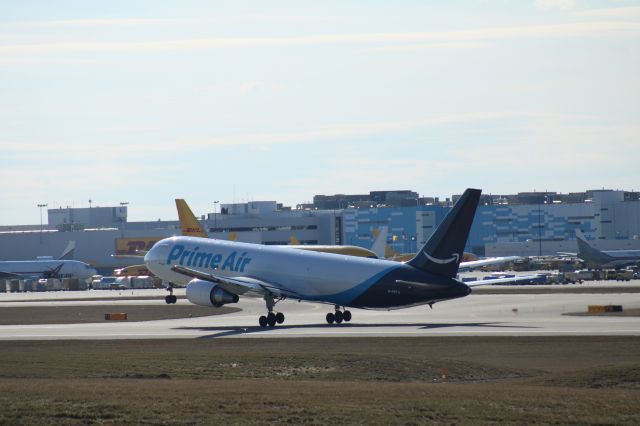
36	269
191	227
380	241
469	261
47	267
218	272
132	270
604	258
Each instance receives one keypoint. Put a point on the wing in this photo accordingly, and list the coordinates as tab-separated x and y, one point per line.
522	279
238	285
468	266
9	275
139	254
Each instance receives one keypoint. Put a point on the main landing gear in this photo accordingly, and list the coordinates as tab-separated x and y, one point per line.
338	316
170	299
271	319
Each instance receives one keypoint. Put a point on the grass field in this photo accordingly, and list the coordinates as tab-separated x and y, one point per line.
542	380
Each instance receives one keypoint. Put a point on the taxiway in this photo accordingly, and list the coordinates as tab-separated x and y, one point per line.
475	315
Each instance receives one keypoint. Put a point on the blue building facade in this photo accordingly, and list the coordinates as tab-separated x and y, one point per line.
607	216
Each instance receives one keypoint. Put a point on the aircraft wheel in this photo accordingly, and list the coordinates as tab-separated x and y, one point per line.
338	316
174	299
171	299
263	321
346	315
331	318
167	300
279	317
271	319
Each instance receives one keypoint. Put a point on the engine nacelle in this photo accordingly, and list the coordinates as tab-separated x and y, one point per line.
205	293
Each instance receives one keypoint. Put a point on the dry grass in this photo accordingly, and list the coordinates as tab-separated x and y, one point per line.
542	380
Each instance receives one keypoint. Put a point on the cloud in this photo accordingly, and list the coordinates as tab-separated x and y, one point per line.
342	132
555	4
557	151
357	175
323	134
41	61
579	29
446	45
613	13
88	22
259	86
95	22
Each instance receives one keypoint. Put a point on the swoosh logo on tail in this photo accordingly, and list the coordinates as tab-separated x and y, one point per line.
454	258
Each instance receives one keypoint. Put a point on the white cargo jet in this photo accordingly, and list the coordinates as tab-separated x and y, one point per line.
217	272
47	267
36	269
600	259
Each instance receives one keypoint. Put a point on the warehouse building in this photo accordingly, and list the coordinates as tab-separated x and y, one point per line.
526	224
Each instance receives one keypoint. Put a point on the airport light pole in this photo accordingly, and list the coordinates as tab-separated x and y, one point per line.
41	206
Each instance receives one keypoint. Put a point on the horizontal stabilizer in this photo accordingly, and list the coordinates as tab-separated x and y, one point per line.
511	280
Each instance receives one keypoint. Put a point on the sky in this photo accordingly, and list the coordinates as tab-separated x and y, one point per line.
233	101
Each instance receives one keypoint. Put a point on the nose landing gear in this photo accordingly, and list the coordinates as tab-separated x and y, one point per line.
170	299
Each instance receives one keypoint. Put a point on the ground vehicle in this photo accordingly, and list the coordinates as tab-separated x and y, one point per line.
108	283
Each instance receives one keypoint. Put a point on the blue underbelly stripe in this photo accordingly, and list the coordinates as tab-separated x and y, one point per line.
345	297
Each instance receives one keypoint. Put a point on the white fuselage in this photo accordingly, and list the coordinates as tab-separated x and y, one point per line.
311	274
44	268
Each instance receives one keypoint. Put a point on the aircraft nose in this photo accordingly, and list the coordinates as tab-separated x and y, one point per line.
156	254
151	255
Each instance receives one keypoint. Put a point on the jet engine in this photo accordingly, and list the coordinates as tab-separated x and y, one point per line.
205	293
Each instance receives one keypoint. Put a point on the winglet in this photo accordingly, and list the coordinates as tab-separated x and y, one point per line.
188	222
443	251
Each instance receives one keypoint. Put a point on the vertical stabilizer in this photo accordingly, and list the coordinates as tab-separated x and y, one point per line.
443	251
589	253
380	241
188	222
69	251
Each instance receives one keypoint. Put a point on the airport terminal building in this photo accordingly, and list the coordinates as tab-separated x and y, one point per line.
527	224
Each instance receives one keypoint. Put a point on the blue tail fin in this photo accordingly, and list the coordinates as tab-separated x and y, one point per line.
443	252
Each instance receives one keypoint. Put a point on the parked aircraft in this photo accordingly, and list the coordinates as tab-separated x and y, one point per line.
35	269
131	271
604	258
191	227
47	267
218	272
469	260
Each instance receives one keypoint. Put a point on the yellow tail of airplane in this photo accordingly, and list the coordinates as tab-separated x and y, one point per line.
188	222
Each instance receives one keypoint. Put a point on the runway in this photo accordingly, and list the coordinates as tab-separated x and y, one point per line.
475	315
